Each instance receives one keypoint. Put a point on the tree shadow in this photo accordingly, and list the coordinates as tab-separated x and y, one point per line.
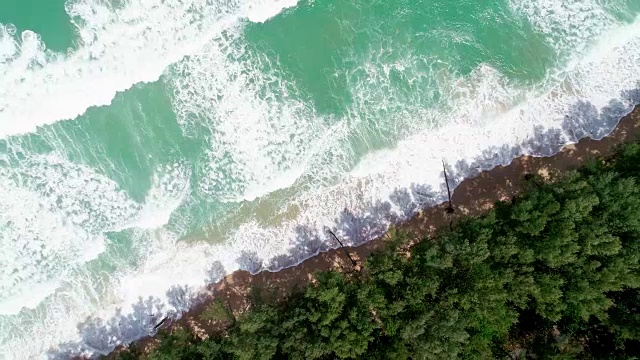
583	120
307	244
146	317
250	261
101	337
215	273
182	298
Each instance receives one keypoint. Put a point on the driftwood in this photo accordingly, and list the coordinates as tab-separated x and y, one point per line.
353	262
164	319
450	208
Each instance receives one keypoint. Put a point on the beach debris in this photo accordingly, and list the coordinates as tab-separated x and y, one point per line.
164	319
450	209
353	262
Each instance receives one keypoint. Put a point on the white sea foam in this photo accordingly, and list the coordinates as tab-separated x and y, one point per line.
261	135
53	218
569	25
169	189
261	11
119	47
488	122
52	213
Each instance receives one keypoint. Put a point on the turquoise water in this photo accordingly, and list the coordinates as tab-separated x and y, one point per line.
149	147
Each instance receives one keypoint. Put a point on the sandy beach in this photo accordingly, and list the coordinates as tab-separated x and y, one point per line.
472	197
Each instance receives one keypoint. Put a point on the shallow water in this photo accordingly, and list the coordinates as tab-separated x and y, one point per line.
148	147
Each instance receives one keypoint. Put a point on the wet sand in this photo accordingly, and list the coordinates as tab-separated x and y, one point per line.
472	197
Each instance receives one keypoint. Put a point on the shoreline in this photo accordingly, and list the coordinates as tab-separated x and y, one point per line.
472	197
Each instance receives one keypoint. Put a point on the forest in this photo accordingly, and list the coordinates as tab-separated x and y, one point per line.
551	274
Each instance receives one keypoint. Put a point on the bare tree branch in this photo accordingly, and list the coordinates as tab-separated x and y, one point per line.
353	262
160	323
450	208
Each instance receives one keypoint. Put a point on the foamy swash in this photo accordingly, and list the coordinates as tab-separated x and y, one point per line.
256	144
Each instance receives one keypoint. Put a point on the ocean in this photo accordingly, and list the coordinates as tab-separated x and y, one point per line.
148	147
